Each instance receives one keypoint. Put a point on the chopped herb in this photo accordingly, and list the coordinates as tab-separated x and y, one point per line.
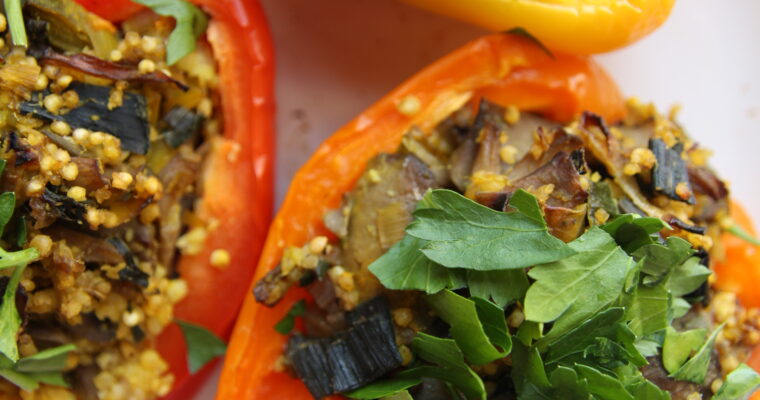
50	360
478	326
465	234
7	205
288	322
632	231
600	198
741	382
658	260
384	388
449	365
10	321
678	346
503	287
647	309
405	267
3	162
15	22
687	277
695	369
598	269
202	345
21	232
742	233
190	24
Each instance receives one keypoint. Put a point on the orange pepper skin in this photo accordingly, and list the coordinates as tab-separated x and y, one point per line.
237	180
506	67
739	270
572	26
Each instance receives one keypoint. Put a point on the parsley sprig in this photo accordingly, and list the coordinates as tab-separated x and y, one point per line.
609	298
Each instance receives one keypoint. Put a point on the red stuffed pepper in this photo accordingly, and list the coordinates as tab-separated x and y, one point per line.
138	152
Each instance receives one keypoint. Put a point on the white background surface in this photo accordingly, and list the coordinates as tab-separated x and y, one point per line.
336	57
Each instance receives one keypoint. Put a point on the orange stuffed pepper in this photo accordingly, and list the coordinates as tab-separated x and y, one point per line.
501	225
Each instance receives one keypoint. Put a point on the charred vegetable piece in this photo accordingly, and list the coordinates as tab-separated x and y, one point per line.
700	230
71	27
23	153
105	69
670	176
350	359
181	124
128	122
130	272
64	207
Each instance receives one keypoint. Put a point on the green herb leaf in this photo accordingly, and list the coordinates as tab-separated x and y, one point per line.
450	365
288	322
598	270
739	383
695	369
503	287
3	163
15	22
647	309
191	22
527	367
478	326
21	232
568	385
404	267
581	336
678	346
658	260
10	321
202	345
646	390
647	348
7	205
468	235
384	388
742	233
602	385
632	231
687	277
20	379
50	360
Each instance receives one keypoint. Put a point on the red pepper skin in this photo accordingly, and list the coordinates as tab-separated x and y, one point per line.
237	182
112	10
504	68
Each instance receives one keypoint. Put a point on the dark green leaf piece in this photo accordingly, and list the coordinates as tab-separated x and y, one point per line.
740	383
10	321
21	232
384	388
687	277
288	322
603	386
632	231
7	205
450	365
190	24
465	234
478	326
202	345
658	260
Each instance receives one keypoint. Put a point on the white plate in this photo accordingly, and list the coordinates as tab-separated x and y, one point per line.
337	57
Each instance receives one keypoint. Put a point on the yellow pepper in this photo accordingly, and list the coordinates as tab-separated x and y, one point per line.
568	26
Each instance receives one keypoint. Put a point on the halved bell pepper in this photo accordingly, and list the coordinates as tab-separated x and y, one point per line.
507	69
739	270
238	182
573	26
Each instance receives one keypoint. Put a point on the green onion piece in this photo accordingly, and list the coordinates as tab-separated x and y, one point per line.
741	233
15	22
